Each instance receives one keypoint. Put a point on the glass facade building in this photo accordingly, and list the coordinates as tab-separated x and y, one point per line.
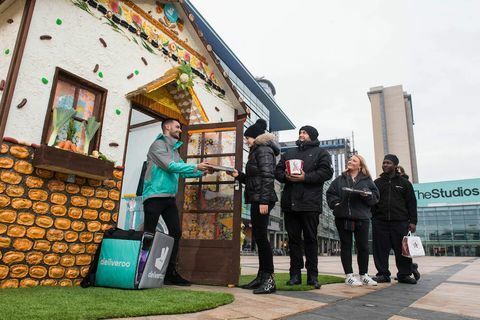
449	217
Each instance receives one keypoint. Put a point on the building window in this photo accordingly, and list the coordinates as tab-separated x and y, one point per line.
70	92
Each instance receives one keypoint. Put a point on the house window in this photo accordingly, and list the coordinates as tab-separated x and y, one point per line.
87	100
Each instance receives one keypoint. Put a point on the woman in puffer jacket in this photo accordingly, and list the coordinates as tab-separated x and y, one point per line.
260	193
351	196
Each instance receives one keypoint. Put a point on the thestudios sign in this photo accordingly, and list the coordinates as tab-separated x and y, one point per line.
447	192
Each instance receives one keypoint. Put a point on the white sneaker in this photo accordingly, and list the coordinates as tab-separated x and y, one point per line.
352	281
366	280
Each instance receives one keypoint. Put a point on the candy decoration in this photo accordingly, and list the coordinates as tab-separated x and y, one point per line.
96	68
59	21
45	80
100	74
113	144
130	76
2	85
22	103
118	112
10	21
104	44
144	61
217	109
136	72
7	51
45	37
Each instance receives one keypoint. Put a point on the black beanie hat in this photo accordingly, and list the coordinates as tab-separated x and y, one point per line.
392	158
256	129
312	132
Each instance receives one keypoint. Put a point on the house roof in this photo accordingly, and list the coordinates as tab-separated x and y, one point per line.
162	96
278	119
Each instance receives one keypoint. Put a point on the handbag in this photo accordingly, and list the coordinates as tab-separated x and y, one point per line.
412	246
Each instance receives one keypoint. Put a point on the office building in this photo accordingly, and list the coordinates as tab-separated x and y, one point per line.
392	119
449	217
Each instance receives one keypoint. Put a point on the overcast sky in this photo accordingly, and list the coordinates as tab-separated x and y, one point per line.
323	56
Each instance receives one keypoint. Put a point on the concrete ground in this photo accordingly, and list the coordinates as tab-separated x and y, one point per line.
449	289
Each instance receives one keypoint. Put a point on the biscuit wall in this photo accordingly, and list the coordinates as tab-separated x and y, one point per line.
50	225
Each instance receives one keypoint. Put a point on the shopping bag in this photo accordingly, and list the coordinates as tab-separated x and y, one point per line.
412	246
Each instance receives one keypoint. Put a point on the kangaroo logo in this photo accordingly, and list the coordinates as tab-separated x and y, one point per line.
159	262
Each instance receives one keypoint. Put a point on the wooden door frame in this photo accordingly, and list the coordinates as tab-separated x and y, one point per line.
232	277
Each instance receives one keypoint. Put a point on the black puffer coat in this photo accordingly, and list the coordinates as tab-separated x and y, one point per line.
259	178
305	196
397	199
348	205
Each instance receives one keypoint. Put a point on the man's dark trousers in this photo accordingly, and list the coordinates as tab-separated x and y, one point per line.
388	235
295	223
167	208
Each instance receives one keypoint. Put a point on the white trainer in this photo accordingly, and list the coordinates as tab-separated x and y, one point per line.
352	281
366	280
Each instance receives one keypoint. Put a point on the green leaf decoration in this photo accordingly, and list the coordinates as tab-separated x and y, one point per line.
91	127
147	46
71	130
59	118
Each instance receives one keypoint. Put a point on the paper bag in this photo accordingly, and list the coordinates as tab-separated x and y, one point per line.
412	246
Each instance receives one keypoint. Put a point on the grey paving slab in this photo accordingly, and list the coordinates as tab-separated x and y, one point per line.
385	303
431	315
306	295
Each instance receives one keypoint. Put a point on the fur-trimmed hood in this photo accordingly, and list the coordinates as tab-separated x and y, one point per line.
268	139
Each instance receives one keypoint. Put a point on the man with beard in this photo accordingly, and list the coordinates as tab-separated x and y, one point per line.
392	217
302	202
164	167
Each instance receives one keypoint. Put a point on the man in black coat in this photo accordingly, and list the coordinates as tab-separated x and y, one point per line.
392	217
302	202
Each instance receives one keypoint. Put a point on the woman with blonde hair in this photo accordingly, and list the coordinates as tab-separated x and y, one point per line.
350	196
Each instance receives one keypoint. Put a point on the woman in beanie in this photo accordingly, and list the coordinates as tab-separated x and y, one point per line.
260	193
351	196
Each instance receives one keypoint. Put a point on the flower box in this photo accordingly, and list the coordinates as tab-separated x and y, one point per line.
55	159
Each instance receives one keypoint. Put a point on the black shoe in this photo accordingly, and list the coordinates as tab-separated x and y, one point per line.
267	286
408	280
415	272
175	279
255	283
294	279
382	279
313	281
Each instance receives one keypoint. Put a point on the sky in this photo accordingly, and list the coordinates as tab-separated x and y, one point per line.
324	56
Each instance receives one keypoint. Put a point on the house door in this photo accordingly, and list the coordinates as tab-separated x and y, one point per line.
210	206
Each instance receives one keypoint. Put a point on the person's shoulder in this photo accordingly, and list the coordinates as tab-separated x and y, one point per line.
378	180
321	152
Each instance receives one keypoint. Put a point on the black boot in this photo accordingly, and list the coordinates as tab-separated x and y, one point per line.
175	279
415	272
267	285
255	283
294	279
313	281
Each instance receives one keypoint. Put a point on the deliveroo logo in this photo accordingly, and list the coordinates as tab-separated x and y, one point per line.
115	263
159	262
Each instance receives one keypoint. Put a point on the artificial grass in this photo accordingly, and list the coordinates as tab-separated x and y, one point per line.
99	303
282	278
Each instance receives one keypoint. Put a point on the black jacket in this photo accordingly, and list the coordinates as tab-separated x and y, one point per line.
259	178
397	200
349	205
317	165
